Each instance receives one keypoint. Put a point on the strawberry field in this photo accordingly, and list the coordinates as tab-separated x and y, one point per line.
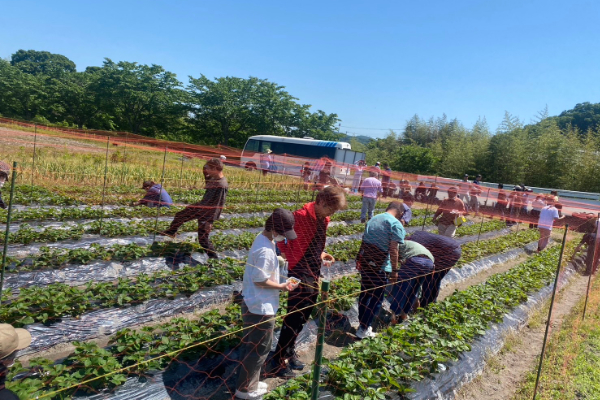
138	321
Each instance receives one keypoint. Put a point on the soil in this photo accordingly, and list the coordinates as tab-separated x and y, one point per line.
504	372
10	137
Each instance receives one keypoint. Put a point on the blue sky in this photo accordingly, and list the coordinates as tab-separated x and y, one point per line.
375	64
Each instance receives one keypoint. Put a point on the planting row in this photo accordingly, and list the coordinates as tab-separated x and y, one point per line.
28	195
51	302
347	250
55	258
27	234
375	368
78	213
129	348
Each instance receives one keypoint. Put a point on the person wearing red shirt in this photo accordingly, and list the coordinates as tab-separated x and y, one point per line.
305	255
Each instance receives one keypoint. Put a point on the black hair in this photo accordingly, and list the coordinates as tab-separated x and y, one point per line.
396	205
215	163
500	186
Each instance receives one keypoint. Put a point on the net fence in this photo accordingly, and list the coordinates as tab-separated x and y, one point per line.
146	270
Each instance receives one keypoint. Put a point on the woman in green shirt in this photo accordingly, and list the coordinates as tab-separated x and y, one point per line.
416	262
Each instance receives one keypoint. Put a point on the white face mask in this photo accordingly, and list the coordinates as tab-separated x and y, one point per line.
278	238
2	183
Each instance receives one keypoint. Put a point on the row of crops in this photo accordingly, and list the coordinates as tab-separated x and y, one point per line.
216	331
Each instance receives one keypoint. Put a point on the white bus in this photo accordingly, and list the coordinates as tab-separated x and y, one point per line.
289	154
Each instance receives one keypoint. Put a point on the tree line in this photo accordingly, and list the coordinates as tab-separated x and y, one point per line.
556	151
560	152
146	99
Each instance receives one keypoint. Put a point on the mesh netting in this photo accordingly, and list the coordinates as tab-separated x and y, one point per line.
149	269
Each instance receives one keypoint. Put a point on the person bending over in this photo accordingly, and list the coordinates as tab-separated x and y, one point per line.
156	196
377	262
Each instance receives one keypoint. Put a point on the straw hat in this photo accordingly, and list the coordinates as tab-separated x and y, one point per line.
12	339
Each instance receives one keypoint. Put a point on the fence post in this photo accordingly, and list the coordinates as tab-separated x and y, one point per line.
33	161
257	186
481	226
10	203
314	393
562	250
104	185
591	272
180	173
162	182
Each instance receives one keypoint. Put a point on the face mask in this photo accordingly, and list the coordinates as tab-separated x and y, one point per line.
279	238
2	183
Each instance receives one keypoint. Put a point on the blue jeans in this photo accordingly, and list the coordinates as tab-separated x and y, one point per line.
368	206
371	297
411	276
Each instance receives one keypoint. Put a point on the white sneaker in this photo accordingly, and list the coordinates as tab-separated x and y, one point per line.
255	395
365	333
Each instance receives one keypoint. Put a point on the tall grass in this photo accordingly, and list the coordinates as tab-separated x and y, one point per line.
69	166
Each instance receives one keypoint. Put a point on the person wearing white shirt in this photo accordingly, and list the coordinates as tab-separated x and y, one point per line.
536	209
547	216
260	291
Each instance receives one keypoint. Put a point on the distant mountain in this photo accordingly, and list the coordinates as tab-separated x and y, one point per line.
583	117
362	139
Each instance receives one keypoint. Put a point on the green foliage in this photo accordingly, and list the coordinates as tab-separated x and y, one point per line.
372	368
228	110
583	117
42	63
414	159
148	100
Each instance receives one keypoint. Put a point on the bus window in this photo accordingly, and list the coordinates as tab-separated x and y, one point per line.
252	145
264	146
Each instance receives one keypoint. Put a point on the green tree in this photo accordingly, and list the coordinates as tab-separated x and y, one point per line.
414	159
143	99
21	95
42	63
228	110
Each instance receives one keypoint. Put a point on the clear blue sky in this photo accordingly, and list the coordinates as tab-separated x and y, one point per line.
374	63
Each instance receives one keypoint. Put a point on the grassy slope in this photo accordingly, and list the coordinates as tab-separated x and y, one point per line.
572	363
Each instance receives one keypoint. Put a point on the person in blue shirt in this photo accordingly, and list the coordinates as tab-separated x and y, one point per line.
156	196
409	200
377	262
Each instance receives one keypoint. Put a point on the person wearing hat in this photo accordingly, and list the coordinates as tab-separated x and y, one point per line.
260	291
447	212
11	340
266	161
156	196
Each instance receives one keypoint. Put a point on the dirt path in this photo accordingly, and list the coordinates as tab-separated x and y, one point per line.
504	371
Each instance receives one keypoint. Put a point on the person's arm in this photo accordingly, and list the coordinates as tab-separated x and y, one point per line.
269	284
462	209
394	260
438	213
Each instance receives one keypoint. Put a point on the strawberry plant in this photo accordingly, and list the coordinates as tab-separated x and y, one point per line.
374	368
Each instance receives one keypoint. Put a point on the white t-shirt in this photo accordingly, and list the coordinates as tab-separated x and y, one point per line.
547	217
262	264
